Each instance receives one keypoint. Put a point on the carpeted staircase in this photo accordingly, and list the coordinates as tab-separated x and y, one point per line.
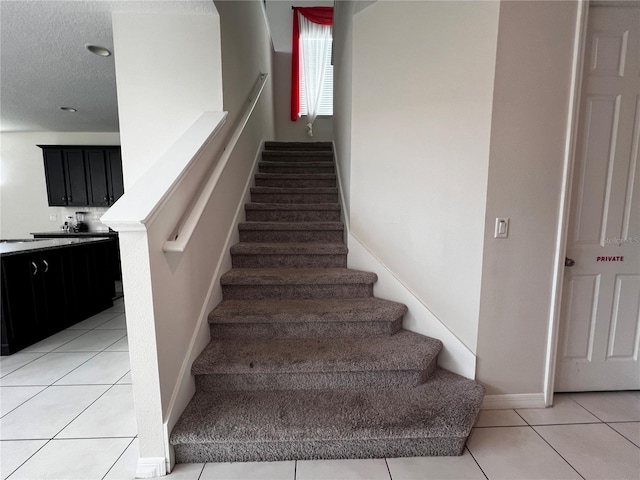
304	362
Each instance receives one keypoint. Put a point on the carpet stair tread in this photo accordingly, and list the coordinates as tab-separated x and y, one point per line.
275	163
295	176
402	351
298	146
292	226
444	406
285	190
307	311
289	249
292	206
293	276
298	155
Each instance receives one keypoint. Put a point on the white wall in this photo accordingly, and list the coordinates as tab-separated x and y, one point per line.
342	93
172	65
246	52
530	110
423	77
23	192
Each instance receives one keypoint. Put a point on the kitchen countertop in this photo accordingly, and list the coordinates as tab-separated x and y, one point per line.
60	233
14	247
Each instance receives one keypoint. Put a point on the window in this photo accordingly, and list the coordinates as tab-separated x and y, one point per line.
311	69
308	47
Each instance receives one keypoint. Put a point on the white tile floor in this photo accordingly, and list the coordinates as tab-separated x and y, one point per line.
66	411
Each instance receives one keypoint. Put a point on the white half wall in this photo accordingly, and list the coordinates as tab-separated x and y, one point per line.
168	72
24	207
528	134
423	76
172	65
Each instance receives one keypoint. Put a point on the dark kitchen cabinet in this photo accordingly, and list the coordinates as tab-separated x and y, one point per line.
83	175
104	176
49	290
34	300
66	178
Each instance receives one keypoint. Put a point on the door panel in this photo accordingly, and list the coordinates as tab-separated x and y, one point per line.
600	329
601	121
625	319
581	305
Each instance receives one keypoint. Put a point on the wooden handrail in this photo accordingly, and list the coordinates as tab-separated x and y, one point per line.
186	228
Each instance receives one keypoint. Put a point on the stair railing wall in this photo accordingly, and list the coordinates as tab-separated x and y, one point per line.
169	292
185	230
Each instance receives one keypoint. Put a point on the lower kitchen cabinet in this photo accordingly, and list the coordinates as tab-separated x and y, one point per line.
47	291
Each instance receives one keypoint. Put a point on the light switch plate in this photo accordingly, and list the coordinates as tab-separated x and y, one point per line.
502	228
53	217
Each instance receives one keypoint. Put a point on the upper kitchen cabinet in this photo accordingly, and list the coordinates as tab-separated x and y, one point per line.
66	178
83	175
104	175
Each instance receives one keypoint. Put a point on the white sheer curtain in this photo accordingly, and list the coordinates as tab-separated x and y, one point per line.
315	45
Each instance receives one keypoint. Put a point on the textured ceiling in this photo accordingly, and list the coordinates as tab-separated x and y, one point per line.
44	64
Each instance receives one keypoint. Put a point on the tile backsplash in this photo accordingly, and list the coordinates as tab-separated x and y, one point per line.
92	217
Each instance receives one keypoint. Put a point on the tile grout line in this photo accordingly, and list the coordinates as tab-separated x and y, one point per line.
295	469
43	354
475	460
202	470
119	456
553	448
18	406
582	406
27	459
628	440
388	469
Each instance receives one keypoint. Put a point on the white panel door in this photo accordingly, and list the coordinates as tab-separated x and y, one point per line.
600	329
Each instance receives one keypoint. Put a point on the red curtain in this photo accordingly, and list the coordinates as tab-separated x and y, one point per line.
321	15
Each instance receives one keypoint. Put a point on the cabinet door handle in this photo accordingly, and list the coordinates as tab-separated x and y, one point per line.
69	198
111	199
35	268
46	266
64	199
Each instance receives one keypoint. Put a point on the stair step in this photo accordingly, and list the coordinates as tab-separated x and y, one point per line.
319	212
403	360
298	146
293	180
256	283
434	418
294	195
297	156
289	255
296	232
293	167
327	318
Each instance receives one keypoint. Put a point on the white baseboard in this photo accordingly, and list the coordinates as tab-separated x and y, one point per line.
151	467
510	401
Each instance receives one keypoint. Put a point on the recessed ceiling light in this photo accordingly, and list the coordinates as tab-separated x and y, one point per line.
69	109
101	51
